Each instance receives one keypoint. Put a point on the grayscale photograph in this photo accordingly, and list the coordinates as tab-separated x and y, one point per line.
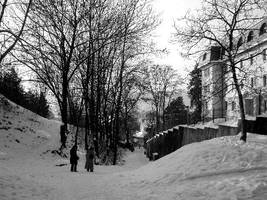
133	99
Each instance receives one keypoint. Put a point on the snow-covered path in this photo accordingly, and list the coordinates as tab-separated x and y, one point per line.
215	169
29	178
29	171
221	168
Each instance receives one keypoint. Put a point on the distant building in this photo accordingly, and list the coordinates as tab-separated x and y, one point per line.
219	95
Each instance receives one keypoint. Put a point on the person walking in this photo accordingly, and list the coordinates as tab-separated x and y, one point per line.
89	164
74	158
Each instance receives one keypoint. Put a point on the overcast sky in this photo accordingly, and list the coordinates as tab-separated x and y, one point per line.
171	10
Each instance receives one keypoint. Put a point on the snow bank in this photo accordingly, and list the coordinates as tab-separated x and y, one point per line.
221	168
22	131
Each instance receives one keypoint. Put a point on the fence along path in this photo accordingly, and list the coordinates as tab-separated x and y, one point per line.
170	140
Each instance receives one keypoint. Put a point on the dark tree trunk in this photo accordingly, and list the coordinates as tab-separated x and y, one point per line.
157	120
64	111
86	124
126	126
118	106
260	104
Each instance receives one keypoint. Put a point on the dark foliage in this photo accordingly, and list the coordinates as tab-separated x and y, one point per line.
126	145
10	87
176	113
176	105
36	103
194	92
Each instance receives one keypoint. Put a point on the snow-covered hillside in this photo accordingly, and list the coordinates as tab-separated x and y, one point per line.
221	168
23	131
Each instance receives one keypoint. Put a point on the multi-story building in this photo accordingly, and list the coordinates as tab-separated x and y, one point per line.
219	94
213	84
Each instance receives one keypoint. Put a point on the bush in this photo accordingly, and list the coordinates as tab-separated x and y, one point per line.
10	87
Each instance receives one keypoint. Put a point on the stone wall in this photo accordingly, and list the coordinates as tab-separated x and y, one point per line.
173	139
258	126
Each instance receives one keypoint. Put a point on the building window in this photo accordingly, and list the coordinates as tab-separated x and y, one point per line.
250	36
206	88
241	85
206	105
207	72
265	105
263	29
264	54
240	42
241	63
233	105
264	80
204	56
251	59
252	82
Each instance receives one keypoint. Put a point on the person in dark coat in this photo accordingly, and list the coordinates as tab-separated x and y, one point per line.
74	158
89	164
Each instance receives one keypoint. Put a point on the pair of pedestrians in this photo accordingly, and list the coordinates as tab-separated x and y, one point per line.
89	164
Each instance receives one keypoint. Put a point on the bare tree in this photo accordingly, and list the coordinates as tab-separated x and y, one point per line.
162	84
219	22
13	16
54	33
132	93
89	47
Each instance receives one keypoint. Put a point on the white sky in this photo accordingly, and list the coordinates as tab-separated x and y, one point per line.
171	10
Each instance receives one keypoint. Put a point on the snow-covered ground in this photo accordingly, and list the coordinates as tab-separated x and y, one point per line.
220	168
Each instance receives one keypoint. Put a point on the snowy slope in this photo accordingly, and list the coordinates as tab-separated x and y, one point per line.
220	168
216	169
24	131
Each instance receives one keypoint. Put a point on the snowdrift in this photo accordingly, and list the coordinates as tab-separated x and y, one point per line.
221	168
23	131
